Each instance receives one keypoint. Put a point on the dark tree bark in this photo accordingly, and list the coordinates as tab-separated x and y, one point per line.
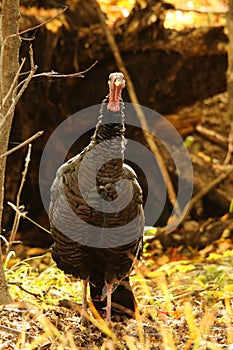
8	70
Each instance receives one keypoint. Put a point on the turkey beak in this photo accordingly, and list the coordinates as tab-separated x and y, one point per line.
119	84
120	81
116	84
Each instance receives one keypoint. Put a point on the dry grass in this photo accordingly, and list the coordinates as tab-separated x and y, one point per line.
184	304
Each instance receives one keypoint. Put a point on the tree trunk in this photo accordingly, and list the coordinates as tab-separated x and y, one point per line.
230	61
9	64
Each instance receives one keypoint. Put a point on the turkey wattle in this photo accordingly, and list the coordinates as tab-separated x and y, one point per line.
97	227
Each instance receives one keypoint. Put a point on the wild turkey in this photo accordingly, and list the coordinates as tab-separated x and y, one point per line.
97	227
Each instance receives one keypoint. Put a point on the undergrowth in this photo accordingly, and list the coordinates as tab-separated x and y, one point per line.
185	301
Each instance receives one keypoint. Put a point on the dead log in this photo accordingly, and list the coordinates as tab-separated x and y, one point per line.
195	234
169	68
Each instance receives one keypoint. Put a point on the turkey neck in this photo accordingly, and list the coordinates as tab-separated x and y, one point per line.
109	136
110	124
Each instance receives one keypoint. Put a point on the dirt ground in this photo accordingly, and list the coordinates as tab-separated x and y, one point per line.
169	317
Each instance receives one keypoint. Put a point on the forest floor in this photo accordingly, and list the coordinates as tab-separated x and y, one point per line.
184	294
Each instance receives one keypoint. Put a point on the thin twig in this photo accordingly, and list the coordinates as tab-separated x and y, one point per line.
41	24
53	74
19	94
212	135
230	146
10	330
200	10
31	56
15	331
24	143
14	83
4	240
17	215
29	77
36	295
227	171
24	173
23	213
24	83
13	86
134	99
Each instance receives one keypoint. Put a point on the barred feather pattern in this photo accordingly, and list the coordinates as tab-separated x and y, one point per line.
85	243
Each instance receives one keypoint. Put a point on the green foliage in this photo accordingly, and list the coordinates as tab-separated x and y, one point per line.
47	286
189	140
186	295
231	207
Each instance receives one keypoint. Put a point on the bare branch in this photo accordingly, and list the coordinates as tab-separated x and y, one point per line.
32	64
226	172
17	215
41	24
21	91
206	10
230	146
53	74
24	83
21	212
13	85
20	285
10	330
212	135
24	143
19	94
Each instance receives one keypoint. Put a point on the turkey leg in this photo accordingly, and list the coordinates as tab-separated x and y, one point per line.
109	297
84	302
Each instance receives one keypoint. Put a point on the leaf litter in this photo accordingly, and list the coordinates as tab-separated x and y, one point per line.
184	304
184	299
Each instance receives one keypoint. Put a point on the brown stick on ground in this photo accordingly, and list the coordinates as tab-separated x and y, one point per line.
230	145
212	135
134	99
226	172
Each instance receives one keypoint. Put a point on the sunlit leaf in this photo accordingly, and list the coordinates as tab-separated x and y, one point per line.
231	207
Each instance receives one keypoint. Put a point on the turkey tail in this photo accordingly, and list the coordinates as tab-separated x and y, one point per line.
123	300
